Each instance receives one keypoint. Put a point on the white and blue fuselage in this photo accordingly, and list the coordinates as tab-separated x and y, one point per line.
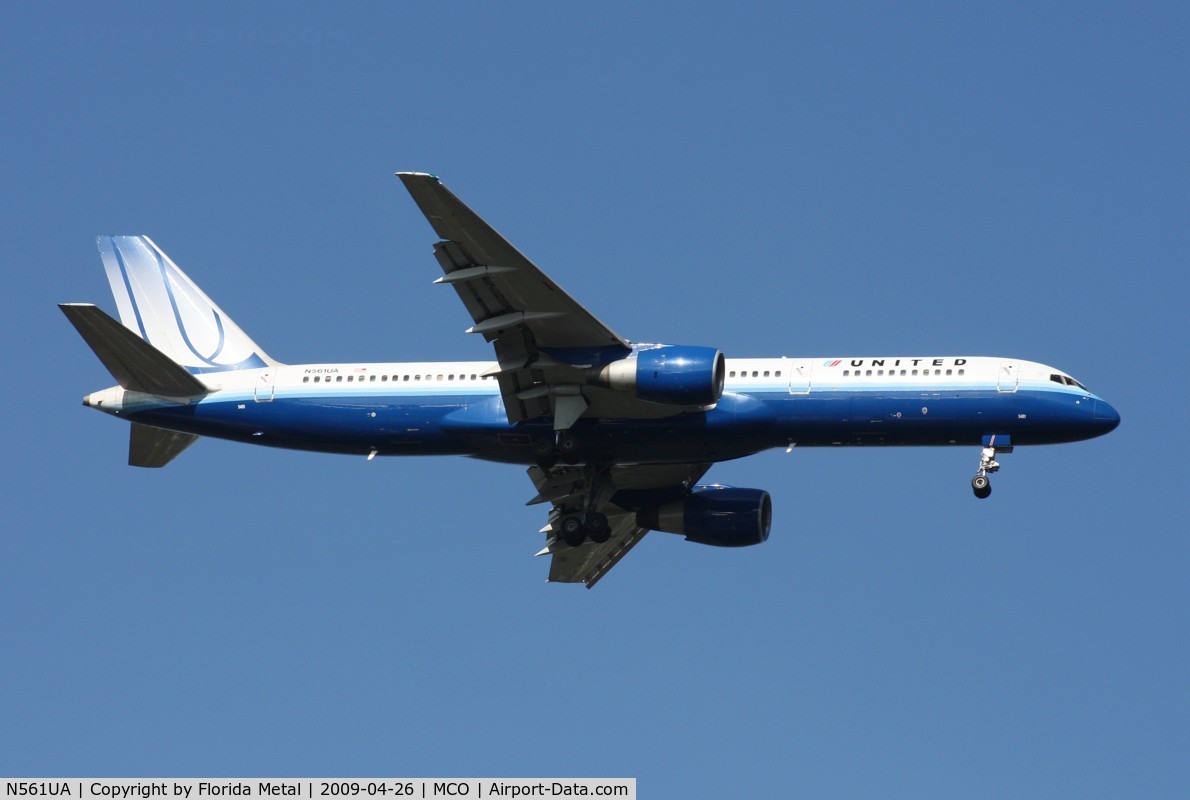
451	408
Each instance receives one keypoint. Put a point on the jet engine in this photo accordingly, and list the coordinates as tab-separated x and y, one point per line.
723	516
670	374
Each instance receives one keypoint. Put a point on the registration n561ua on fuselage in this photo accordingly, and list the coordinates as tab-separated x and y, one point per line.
616	434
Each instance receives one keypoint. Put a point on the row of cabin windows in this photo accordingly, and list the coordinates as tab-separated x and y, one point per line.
742	373
395	378
893	372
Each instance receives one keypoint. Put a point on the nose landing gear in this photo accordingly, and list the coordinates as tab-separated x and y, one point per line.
980	484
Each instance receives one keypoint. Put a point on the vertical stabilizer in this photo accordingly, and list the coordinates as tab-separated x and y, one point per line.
158	302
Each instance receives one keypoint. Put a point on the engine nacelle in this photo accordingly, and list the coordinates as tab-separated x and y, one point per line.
675	375
723	516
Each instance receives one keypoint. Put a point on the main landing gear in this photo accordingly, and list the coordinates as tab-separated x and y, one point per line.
564	446
988	464
575	528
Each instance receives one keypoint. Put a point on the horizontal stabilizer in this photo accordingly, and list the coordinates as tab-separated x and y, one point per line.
155	447
135	364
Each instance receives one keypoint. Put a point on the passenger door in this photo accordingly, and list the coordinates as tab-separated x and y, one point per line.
1008	377
264	386
799	375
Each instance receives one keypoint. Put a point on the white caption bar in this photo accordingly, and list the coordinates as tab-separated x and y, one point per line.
313	788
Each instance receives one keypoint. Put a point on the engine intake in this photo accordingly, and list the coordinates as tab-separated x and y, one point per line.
670	374
723	516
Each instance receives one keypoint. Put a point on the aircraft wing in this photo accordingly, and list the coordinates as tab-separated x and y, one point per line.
575	489
589	563
516	307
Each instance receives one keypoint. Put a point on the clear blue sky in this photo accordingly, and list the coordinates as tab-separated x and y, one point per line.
824	180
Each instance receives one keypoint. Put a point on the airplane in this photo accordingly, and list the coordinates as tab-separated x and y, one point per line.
616	434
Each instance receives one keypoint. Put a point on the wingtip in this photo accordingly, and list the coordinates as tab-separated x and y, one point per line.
69	308
404	175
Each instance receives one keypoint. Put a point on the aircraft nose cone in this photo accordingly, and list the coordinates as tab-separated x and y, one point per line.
1105	416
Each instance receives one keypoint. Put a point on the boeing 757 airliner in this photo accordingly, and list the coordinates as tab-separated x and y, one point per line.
616	433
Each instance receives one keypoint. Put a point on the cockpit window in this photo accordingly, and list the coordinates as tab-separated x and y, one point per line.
1066	380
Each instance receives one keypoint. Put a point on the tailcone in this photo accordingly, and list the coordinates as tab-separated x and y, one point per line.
109	401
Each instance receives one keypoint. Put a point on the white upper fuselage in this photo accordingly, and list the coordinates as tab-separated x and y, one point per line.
744	375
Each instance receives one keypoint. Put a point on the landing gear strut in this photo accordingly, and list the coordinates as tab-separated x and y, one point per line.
580	493
980	484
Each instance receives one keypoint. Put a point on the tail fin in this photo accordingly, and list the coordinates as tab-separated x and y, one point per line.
157	301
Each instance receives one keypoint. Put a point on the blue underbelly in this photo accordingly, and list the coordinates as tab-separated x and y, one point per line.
739	425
